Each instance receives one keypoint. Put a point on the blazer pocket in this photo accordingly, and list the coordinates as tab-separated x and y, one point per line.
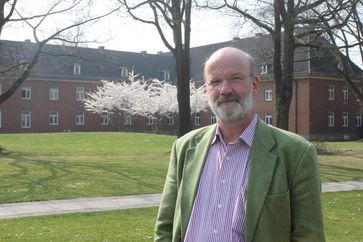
275	220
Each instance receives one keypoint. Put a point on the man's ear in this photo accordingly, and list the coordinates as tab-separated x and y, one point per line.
255	84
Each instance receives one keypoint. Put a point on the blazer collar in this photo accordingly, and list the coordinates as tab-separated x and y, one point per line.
261	171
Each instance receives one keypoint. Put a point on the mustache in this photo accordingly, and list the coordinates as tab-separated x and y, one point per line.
223	99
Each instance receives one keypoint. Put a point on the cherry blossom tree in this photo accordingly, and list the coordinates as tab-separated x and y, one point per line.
153	98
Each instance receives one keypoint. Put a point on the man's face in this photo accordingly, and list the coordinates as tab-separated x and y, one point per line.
230	88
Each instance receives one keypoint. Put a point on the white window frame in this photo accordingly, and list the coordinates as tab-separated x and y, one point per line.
358	119
331	92
150	120
76	69
54	93
105	119
197	119
166	75
124	72
345	91
26	92
345	119
79	94
53	118
26	119
264	69
268	117
268	93
80	118
127	119
213	119
330	119
171	120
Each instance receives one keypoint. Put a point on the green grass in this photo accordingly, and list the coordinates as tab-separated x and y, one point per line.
341	161
343	217
71	165
121	225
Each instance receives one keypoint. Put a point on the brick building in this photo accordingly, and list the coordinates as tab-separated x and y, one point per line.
50	100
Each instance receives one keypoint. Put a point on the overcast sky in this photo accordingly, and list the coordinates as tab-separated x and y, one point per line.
120	33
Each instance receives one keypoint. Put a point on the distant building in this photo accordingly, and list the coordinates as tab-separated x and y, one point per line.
50	100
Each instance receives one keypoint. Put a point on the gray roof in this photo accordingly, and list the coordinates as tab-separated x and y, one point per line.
57	61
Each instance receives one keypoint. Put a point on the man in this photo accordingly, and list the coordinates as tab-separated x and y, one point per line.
239	180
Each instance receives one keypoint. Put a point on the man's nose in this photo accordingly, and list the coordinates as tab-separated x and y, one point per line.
226	88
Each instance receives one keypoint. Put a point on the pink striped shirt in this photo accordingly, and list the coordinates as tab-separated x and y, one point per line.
219	208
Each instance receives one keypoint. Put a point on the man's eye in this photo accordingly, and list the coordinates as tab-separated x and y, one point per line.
215	82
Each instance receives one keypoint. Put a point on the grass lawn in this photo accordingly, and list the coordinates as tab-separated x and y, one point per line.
343	215
341	161
73	165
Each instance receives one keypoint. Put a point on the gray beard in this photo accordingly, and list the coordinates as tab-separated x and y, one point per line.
241	109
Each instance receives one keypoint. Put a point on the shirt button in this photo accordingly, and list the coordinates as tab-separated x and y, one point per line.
219	206
215	231
227	158
223	181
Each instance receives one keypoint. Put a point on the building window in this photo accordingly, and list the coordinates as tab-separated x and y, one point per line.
26	92
268	118
340	66
358	119
330	119
268	93
53	118
80	118
213	119
166	75
53	93
105	119
345	118
345	94
124	72
264	69
331	92
170	120
76	69
197	119
26	119
79	93
150	120
127	119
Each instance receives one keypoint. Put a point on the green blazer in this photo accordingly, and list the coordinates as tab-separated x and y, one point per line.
283	191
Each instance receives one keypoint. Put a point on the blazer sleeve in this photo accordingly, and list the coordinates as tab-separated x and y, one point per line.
306	209
165	217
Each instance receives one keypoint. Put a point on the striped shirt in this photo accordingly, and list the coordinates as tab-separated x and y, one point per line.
219	208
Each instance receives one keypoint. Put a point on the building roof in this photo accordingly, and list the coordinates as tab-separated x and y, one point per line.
57	61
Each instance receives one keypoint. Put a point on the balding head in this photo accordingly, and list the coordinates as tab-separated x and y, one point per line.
232	54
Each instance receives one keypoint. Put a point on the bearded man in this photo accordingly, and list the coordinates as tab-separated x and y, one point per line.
239	179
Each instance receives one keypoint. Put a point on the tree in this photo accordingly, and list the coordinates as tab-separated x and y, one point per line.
176	16
285	22
341	41
153	98
19	70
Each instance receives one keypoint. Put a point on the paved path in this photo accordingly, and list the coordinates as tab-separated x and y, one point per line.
25	209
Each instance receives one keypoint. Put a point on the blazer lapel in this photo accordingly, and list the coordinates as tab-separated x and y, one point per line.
193	165
261	171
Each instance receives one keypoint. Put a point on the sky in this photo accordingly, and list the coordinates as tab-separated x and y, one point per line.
123	33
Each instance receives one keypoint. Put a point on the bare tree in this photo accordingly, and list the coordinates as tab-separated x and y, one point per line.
285	21
343	38
173	16
20	70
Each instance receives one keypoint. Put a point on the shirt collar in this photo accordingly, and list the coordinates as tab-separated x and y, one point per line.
246	136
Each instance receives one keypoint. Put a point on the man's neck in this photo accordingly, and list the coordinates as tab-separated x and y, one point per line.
231	132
